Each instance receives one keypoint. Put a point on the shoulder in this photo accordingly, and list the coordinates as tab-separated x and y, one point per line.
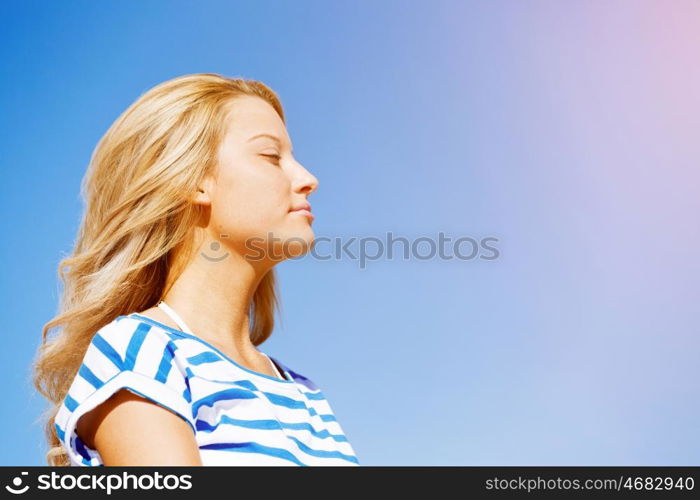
132	351
127	334
127	343
126	353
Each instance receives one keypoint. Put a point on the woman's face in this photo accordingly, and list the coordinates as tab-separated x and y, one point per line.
257	185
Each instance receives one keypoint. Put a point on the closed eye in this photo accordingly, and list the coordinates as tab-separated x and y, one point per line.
276	157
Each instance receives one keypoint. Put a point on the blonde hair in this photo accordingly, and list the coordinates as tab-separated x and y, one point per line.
138	223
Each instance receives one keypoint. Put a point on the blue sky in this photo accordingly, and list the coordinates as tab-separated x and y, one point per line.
566	130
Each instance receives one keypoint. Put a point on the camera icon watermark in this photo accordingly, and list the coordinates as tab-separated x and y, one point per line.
17	488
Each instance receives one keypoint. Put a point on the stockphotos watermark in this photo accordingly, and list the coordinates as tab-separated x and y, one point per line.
67	480
364	249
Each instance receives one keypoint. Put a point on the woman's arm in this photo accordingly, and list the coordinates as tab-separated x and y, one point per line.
128	429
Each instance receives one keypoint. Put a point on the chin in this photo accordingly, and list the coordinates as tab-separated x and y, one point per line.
289	243
298	245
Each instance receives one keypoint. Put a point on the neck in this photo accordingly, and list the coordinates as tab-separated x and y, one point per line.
214	298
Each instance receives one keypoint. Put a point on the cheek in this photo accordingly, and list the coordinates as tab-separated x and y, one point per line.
249	204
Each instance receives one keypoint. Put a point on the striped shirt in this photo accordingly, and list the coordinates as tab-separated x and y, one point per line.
238	416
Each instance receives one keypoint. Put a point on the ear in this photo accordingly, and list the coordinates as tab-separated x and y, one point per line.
202	195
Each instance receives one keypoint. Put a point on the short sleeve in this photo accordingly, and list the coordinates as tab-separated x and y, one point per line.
124	354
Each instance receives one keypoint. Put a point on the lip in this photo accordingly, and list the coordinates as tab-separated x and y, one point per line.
306	206
303	211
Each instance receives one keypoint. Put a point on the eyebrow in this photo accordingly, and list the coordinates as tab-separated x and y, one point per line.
273	137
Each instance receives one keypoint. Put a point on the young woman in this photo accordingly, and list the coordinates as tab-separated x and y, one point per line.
192	196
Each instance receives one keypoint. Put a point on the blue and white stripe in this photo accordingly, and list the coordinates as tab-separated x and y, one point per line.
238	416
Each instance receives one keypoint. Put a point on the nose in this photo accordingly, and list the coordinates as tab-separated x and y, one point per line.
305	181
